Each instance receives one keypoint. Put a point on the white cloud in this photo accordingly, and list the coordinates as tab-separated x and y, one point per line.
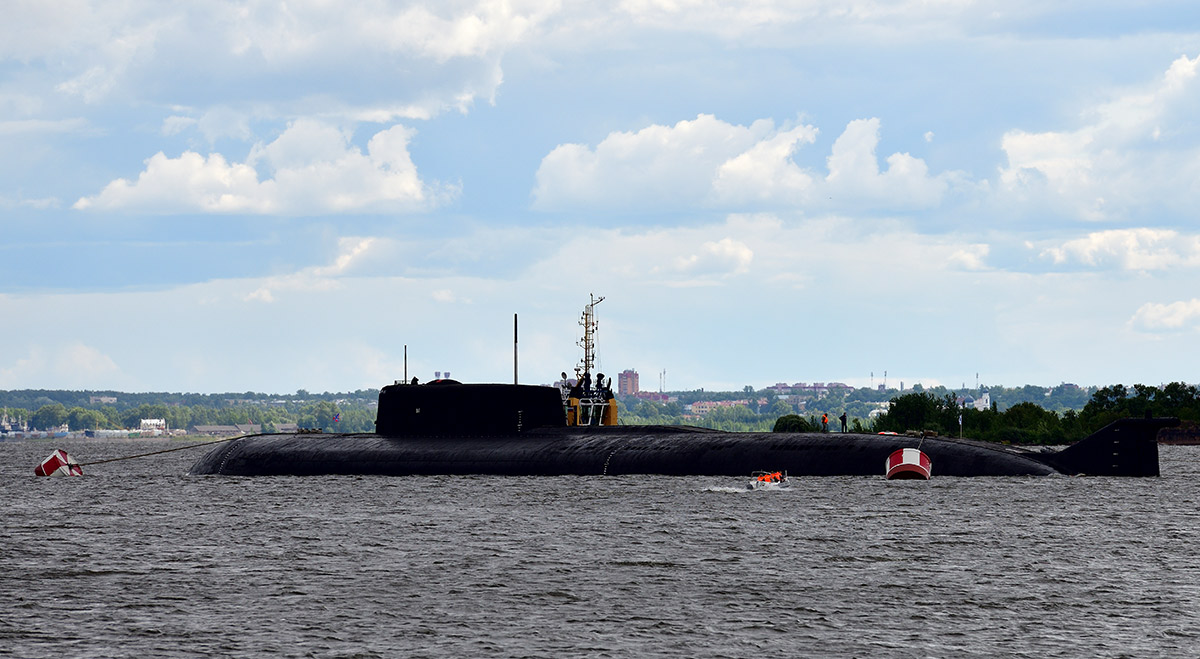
796	280
969	257
73	364
176	124
472	32
775	21
1154	317
746	251
43	126
722	257
707	162
855	179
1136	152
404	58
351	251
766	172
1129	249
315	171
43	203
215	123
447	296
656	165
87	362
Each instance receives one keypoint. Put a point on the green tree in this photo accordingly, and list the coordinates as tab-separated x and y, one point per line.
133	418
318	415
79	418
915	411
793	423
49	417
112	417
1028	423
780	408
357	419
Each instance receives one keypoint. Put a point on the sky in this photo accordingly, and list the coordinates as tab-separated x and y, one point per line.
272	196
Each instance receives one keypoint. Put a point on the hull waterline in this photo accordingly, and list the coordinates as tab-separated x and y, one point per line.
1124	448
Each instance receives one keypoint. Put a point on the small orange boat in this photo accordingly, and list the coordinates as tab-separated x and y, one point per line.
768	480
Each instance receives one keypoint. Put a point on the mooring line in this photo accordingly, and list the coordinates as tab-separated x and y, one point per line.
178	448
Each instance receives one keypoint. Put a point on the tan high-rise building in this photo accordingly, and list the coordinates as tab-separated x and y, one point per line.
627	382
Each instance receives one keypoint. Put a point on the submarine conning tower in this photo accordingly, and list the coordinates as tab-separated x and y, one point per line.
451	408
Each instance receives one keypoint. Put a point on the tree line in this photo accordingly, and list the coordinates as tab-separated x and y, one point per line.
1025	422
1060	414
322	414
32	399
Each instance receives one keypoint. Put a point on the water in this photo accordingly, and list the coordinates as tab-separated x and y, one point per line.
137	559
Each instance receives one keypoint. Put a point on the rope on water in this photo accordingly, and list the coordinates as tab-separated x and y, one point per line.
170	450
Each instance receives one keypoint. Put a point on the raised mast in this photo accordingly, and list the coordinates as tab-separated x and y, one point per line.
588	342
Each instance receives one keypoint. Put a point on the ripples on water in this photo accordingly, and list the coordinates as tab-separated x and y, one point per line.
136	559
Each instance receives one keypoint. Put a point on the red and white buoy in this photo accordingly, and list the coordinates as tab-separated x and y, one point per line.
908	463
59	464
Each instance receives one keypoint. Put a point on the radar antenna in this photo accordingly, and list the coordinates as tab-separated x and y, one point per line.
588	342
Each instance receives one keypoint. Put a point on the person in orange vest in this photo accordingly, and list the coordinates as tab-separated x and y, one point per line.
825	422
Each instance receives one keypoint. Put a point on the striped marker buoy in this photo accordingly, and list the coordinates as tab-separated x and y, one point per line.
908	463
59	464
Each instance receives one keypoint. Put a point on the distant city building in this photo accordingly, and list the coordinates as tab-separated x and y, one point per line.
818	388
703	407
11	424
153	424
103	400
237	429
982	403
627	382
215	430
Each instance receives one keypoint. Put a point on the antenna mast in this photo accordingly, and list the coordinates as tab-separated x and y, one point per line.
588	342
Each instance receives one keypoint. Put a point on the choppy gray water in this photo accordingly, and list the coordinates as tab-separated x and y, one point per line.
137	559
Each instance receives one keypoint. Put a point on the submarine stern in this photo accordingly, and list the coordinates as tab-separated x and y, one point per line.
1125	447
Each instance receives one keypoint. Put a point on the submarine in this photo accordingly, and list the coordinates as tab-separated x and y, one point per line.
446	427
521	430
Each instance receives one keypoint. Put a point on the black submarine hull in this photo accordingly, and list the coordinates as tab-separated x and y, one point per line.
1124	448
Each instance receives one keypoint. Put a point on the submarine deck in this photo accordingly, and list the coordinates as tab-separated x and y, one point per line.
665	450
